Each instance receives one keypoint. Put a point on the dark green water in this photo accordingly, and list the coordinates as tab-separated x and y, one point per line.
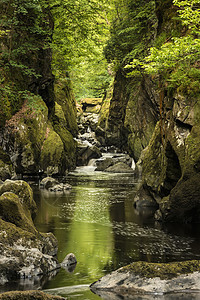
96	221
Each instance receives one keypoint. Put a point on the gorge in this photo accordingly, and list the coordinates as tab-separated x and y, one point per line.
143	109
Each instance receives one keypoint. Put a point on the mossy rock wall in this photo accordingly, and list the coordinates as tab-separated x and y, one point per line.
133	114
33	144
65	98
170	163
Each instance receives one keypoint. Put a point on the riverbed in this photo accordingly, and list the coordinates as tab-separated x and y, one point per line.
97	221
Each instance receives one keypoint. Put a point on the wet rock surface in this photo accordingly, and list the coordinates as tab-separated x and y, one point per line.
142	278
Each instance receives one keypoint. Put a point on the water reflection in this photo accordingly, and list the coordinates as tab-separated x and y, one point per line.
96	221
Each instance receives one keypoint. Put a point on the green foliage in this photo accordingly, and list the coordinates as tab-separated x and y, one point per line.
25	33
80	31
132	30
177	60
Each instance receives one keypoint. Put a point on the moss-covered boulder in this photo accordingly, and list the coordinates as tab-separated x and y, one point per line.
28	295
23	190
92	105
150	278
24	251
13	211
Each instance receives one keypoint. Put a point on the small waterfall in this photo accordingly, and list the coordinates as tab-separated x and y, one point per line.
92	162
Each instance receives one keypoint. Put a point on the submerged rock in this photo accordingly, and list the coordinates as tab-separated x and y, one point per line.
151	278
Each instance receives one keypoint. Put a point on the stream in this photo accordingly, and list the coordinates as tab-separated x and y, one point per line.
97	221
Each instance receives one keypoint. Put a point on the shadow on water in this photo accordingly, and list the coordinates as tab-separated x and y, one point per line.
96	221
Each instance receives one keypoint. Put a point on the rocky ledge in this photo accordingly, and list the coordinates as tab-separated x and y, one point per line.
150	278
24	252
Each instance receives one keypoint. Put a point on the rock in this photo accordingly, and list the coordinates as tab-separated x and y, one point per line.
70	259
23	191
119	167
69	263
85	153
53	185
24	252
28	295
91	104
13	211
48	182
60	187
151	278
103	163
5	171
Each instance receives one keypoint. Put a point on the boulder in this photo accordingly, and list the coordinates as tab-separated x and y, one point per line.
48	182
53	185
24	252
119	167
85	153
28	295
140	278
14	212
60	187
103	163
69	263
23	191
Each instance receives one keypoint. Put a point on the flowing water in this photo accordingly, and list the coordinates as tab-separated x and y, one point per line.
97	221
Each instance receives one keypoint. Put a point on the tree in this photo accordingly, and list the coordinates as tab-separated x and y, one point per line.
80	30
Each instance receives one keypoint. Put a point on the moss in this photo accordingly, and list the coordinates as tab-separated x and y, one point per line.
65	98
153	169
162	270
69	144
10	234
104	113
5	170
4	157
28	295
23	190
12	211
52	151
135	146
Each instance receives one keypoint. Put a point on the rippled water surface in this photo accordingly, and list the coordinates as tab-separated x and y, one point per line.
96	221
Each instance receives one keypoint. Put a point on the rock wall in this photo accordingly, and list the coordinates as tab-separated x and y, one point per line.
133	114
38	115
170	163
160	129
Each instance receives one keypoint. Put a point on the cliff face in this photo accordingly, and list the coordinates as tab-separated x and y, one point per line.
36	124
161	131
133	114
